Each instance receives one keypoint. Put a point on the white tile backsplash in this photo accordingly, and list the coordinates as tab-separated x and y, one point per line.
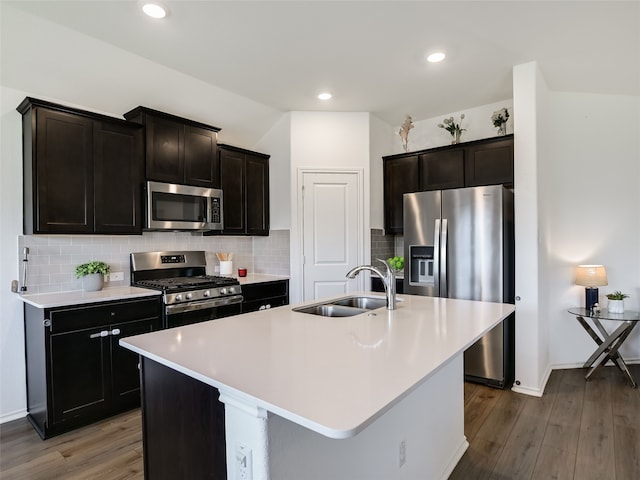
53	258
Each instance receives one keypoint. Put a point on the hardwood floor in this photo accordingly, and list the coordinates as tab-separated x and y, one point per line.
577	431
107	450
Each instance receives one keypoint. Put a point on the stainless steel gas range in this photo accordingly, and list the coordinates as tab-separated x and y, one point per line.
189	294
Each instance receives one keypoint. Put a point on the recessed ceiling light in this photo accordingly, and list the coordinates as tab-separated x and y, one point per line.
324	96
155	9
436	57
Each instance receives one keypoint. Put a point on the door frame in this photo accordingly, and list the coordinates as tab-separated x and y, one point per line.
297	240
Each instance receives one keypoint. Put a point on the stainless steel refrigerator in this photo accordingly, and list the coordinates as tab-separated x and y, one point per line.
460	244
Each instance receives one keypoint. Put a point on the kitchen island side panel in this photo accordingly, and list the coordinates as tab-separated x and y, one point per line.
422	436
182	426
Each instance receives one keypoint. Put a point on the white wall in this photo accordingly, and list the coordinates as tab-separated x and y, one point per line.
380	144
277	142
528	87
12	367
592	174
477	120
326	140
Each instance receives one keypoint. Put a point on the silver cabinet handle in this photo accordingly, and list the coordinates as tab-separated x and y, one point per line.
103	333
115	331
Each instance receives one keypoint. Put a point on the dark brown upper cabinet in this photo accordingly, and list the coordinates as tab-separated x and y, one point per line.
178	150
244	180
489	163
82	171
481	162
401	175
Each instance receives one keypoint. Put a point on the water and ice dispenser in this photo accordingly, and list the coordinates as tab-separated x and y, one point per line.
421	266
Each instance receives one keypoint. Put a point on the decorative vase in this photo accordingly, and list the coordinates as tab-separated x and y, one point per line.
93	282
456	137
502	129
615	306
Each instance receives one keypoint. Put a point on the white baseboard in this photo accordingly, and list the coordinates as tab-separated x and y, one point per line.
534	391
9	417
539	390
455	459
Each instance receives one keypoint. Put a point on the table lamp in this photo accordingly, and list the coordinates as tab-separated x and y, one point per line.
591	277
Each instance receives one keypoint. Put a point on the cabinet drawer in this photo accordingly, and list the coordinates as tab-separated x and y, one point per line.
91	316
265	290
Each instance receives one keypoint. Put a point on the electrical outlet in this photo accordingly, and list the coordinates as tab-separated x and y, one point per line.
402	457
116	276
244	467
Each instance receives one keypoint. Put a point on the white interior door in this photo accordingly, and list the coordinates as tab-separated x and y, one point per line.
331	228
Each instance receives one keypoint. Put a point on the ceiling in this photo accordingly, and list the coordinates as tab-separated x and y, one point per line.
370	54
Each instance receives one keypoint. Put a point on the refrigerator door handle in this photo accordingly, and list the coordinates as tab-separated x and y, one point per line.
436	258
443	259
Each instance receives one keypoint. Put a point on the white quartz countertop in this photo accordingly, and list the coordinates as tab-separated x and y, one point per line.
79	297
333	375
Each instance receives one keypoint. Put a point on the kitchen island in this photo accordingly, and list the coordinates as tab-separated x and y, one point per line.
375	395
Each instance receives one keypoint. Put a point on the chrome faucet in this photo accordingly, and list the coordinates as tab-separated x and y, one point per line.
388	280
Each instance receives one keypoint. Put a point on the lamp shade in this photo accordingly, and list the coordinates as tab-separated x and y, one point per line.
591	275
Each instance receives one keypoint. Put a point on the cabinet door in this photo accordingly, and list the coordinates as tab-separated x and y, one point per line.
125	363
442	169
80	374
118	176
490	163
165	152
200	157
232	182
257	195
259	296
64	172
401	175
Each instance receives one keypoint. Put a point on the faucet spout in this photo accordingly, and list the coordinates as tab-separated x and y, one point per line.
388	280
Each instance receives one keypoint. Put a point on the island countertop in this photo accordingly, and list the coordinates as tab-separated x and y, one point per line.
333	375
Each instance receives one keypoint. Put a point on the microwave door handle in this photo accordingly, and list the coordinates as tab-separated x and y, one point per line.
436	258
443	258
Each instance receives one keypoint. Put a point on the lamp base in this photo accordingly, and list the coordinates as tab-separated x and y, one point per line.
590	297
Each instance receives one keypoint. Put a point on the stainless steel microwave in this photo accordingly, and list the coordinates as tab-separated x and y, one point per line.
183	207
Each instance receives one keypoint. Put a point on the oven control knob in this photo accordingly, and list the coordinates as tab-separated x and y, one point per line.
188	296
223	291
206	293
232	290
179	297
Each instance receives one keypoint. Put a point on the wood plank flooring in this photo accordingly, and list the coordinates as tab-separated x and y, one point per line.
577	431
107	450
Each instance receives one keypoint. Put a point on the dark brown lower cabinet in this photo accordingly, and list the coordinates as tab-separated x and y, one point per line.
263	295
77	372
182	426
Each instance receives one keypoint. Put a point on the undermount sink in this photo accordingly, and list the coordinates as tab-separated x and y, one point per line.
330	310
344	307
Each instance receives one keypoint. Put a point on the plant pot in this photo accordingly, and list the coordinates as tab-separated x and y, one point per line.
615	306
93	282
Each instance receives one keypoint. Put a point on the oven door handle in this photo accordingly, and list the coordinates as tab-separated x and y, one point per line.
203	304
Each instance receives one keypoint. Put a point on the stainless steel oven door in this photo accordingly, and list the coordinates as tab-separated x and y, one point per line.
202	311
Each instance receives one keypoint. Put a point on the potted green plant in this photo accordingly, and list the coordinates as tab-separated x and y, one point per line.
616	301
92	274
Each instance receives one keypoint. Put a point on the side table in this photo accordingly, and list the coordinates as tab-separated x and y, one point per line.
608	343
